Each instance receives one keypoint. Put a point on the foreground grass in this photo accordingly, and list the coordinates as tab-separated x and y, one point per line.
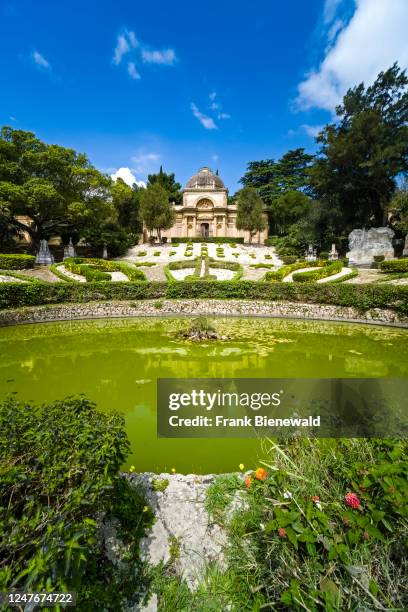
295	544
299	545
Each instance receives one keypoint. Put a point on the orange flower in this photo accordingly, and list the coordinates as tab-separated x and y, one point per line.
260	474
282	532
315	498
248	481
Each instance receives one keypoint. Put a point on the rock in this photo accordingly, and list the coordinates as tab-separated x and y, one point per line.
364	245
182	533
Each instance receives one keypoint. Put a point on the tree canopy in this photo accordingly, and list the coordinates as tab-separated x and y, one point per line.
250	213
362	154
273	178
168	182
157	212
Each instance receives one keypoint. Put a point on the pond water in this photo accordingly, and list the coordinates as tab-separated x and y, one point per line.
116	363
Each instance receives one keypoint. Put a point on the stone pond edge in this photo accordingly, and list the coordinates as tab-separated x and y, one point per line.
197	307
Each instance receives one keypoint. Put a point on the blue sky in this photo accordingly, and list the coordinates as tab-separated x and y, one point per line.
182	84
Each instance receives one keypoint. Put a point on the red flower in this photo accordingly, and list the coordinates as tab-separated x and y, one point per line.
352	500
260	474
315	498
282	532
248	481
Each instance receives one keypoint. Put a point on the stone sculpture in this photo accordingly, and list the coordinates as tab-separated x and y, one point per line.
44	256
365	244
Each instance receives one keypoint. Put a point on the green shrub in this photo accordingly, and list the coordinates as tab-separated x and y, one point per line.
156	253
262	265
94	269
289	259
278	275
394	265
236	254
16	262
171	253
324	255
141	253
379	258
59	471
268	256
313	275
207	239
361	296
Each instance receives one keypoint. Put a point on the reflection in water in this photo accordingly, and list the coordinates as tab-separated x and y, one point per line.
117	362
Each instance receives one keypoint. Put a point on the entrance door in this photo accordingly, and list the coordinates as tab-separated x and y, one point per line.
205	230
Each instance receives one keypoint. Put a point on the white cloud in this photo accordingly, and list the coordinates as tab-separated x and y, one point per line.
205	121
224	116
215	157
212	95
127	176
125	42
145	162
311	130
373	39
167	57
40	60
132	71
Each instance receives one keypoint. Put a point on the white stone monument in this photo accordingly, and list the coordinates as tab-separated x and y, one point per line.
333	255
405	251
365	244
69	250
44	256
311	253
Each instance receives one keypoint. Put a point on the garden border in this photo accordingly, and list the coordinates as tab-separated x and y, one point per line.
193	307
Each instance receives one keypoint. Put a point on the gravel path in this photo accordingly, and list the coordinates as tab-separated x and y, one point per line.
365	275
10	279
254	274
154	273
42	273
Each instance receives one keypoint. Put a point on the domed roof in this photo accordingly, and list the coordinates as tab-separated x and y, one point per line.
205	178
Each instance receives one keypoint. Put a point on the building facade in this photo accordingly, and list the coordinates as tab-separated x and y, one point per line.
205	212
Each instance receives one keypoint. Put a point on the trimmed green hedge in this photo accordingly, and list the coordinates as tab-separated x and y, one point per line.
214	239
16	262
315	275
94	269
394	265
278	275
364	296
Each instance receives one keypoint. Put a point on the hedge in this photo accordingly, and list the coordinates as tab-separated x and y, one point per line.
363	297
394	265
278	275
16	262
314	275
94	269
213	239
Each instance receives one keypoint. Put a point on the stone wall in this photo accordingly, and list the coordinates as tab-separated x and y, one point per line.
60	312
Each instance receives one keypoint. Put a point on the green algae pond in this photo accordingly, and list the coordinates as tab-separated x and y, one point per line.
116	363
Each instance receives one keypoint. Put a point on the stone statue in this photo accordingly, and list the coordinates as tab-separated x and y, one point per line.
333	255
364	245
311	253
405	251
69	250
105	252
44	256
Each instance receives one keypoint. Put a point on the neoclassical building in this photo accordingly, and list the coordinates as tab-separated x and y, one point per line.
205	211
